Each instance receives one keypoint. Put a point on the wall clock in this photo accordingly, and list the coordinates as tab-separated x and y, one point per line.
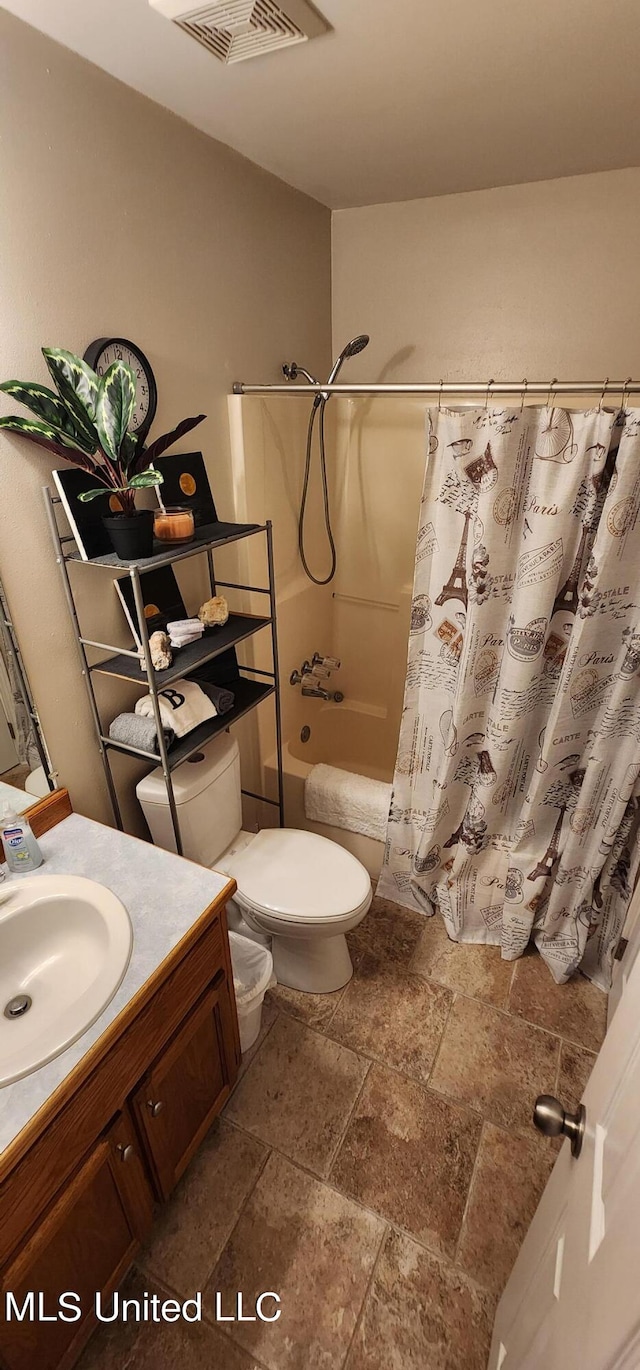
100	355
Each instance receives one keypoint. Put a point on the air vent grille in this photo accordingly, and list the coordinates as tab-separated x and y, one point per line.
237	29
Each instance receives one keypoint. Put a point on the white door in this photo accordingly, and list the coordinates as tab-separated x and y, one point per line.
573	1299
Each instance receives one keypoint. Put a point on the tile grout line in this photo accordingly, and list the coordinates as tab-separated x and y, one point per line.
516	1017
289	1011
366	1054
500	1008
350	1115
383	1242
439	1046
206	1322
425	1085
343	1194
340	1001
262	1167
454	1260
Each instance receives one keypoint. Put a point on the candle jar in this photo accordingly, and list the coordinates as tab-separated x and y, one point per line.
174	524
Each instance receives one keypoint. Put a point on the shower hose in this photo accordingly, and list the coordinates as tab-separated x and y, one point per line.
318	406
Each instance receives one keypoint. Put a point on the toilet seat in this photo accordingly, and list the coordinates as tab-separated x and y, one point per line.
299	877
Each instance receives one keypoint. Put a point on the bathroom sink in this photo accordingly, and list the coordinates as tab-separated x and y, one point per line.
65	944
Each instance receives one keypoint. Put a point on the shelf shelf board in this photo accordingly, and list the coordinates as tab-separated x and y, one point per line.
209	536
213	642
247	693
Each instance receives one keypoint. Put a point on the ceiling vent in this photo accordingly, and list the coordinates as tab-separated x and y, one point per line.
237	29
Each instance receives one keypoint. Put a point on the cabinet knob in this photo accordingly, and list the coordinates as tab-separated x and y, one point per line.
125	1152
155	1107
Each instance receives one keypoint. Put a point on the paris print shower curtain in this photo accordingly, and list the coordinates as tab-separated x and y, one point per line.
516	792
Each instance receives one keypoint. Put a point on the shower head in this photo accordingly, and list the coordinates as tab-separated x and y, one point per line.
351	350
291	370
356	345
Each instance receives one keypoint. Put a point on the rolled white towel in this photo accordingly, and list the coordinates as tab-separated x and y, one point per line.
183	705
346	800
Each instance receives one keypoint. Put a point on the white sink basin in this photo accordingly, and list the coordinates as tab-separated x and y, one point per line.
65	944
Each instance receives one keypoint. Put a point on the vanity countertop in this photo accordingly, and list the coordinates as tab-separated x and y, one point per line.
164	896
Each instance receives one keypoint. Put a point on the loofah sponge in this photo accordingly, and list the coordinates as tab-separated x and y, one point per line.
160	649
214	612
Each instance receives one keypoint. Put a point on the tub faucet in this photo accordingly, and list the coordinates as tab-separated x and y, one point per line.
316	692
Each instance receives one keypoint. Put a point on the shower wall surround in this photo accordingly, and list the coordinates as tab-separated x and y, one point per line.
505	283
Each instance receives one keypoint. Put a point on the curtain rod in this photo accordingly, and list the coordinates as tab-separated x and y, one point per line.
486	389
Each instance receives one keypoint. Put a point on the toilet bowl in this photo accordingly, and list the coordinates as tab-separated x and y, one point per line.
300	890
305	893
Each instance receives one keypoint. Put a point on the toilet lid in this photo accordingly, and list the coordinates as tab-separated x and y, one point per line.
299	876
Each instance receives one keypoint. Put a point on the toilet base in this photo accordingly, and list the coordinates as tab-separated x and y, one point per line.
314	966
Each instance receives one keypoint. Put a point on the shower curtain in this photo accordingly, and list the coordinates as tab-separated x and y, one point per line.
516	795
15	707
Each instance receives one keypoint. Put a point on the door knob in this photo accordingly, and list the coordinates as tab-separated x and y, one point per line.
551	1119
155	1107
125	1152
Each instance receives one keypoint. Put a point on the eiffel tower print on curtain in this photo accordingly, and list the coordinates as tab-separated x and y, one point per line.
567	597
549	863
456	586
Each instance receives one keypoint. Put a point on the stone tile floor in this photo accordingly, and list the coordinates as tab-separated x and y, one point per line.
376	1165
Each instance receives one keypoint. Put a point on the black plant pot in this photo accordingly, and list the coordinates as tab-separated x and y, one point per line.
131	534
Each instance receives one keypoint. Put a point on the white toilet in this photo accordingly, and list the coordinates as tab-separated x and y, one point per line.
300	890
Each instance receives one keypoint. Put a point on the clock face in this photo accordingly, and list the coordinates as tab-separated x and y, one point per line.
100	356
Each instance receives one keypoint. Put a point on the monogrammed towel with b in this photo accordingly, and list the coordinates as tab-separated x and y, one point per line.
183	705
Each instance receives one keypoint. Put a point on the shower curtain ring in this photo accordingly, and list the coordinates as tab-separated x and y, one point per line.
603	393
524	393
440	396
623	402
487	396
550	391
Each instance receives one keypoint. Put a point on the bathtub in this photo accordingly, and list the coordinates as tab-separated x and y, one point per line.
356	738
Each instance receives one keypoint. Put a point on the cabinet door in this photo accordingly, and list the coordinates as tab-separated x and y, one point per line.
84	1244
185	1089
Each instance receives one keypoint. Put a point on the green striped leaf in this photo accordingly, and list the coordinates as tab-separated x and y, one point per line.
115	406
146	479
44	403
128	451
87	496
78	387
141	482
44	434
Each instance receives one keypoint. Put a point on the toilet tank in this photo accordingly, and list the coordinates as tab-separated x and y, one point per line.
208	799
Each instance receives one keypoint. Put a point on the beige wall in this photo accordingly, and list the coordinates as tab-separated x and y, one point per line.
118	218
535	280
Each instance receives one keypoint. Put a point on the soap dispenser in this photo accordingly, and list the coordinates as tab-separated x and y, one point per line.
21	849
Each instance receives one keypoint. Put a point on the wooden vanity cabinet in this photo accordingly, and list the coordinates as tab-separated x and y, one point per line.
180	1096
77	1196
86	1242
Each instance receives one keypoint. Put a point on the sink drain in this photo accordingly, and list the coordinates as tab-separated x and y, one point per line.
18	1006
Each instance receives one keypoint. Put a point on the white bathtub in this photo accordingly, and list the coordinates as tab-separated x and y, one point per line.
354	737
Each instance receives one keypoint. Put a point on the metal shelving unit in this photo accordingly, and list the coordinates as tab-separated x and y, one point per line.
124	664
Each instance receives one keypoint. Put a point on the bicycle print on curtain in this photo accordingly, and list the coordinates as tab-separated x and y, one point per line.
516	791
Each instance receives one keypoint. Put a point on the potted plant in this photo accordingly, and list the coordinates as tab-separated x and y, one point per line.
86	421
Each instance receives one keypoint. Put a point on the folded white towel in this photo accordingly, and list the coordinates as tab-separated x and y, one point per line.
183	705
184	630
347	800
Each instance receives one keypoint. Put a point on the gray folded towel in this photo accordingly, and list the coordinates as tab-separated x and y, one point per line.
136	731
222	699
